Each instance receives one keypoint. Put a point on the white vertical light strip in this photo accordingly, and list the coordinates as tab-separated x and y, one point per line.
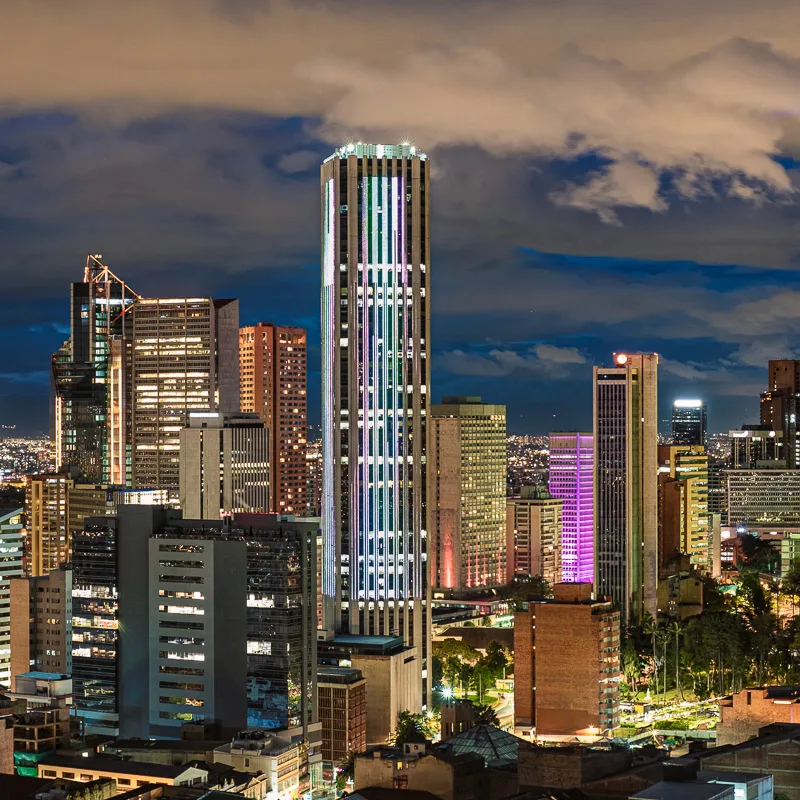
329	328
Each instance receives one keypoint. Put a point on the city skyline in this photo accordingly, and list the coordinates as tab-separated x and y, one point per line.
546	217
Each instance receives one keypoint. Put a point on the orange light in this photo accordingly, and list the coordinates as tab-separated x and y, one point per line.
622	359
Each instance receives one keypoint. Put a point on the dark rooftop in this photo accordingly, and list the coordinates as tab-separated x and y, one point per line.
100	764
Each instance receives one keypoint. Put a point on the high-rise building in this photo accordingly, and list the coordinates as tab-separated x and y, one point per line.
182	626
225	467
41	624
281	621
467	467
534	530
91	424
47	545
758	497
95	625
567	664
626	482
683	519
572	481
780	406
375	390
757	447
11	547
272	370
689	422
184	357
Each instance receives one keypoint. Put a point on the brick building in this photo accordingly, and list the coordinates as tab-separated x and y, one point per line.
342	703
567	664
744	713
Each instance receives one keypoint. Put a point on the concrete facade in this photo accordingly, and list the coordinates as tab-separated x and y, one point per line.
467	462
533	535
224	465
41	624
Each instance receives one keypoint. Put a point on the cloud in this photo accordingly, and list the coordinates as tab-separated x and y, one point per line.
541	359
299	161
657	98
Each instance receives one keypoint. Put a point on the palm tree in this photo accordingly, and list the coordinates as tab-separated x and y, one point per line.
676	628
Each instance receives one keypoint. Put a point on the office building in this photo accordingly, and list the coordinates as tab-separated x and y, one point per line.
689	422
391	669
314	478
780	406
182	625
375	391
572	481
47	513
224	465
41	624
757	447
91	426
467	467
683	519
281	621
95	625
342	712
272	374
534	530
184	357
567	664
11	568
626	482
758	497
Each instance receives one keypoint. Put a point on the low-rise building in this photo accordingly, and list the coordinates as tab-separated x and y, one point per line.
272	754
448	776
127	774
43	730
743	714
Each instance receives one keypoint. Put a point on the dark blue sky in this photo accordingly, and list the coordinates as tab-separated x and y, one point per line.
587	197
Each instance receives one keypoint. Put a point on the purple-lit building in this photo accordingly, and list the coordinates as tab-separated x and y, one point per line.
571	480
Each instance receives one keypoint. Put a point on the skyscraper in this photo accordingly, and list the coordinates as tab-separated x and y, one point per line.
683	521
626	482
225	465
272	370
572	481
467	463
375	386
11	547
780	406
90	421
534	531
689	423
184	358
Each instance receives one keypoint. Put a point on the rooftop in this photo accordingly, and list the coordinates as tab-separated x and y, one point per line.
683	790
118	765
364	150
487	741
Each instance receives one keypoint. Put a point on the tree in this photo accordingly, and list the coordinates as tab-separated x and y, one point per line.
457	661
676	628
790	584
483	714
532	587
411	728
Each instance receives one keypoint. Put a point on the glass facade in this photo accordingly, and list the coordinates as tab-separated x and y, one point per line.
375	380
689	422
95	626
91	427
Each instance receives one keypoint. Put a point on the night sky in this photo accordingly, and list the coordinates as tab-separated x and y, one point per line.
607	175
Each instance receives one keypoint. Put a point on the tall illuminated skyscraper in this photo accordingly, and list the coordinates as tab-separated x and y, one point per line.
272	375
91	426
468	462
572	481
375	385
184	358
689	422
626	483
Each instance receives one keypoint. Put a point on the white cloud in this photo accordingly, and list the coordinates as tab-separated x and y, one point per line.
541	359
654	91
